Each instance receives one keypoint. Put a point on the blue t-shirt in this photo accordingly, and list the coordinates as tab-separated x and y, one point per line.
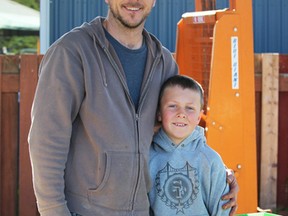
133	63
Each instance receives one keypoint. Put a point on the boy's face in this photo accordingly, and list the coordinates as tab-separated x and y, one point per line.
180	112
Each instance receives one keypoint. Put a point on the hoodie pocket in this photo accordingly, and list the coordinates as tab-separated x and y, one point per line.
118	184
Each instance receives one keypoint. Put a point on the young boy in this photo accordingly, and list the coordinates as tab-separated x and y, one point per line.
188	176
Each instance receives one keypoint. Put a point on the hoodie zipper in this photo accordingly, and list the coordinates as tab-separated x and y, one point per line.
137	128
136	117
136	113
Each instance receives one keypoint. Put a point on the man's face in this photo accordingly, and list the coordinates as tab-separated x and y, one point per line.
130	13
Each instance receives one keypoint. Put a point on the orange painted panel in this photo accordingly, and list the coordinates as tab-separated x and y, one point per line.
219	54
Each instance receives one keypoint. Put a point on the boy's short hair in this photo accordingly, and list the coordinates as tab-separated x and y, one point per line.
184	82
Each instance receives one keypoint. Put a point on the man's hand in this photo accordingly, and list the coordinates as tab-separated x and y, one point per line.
231	196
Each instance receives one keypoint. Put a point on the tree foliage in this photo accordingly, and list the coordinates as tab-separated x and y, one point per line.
35	4
16	44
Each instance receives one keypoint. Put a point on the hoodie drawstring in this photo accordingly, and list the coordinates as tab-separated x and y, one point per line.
102	71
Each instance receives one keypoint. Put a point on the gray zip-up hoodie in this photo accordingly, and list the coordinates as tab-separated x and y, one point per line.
188	179
88	145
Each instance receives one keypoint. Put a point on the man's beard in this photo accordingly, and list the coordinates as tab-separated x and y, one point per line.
125	23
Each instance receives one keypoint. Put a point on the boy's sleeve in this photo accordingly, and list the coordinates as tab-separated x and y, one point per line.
219	187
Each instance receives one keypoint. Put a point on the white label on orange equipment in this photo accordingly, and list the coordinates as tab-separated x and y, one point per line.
235	63
198	19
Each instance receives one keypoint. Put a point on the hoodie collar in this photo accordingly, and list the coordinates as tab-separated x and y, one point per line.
96	30
163	141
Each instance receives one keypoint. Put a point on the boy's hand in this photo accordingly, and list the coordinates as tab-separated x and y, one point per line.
231	196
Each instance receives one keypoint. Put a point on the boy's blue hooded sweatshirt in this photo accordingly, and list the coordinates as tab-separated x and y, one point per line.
188	179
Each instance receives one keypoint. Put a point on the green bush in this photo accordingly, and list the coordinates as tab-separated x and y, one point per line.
16	44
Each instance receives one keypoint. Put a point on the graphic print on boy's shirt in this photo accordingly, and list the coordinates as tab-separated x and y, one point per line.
177	187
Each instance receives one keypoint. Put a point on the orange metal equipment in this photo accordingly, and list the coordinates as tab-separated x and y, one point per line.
216	48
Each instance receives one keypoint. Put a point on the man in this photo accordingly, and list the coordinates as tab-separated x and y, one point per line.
93	115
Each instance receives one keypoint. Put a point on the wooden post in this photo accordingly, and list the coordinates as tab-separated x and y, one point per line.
9	137
9	169
269	131
28	81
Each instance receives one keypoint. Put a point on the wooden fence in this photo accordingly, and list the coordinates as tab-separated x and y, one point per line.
18	78
271	86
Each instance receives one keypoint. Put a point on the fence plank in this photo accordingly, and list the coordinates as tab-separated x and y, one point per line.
28	81
9	151
282	184
1	201
10	83
269	131
8	140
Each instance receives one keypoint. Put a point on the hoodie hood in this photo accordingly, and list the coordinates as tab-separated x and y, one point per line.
98	35
95	31
162	141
